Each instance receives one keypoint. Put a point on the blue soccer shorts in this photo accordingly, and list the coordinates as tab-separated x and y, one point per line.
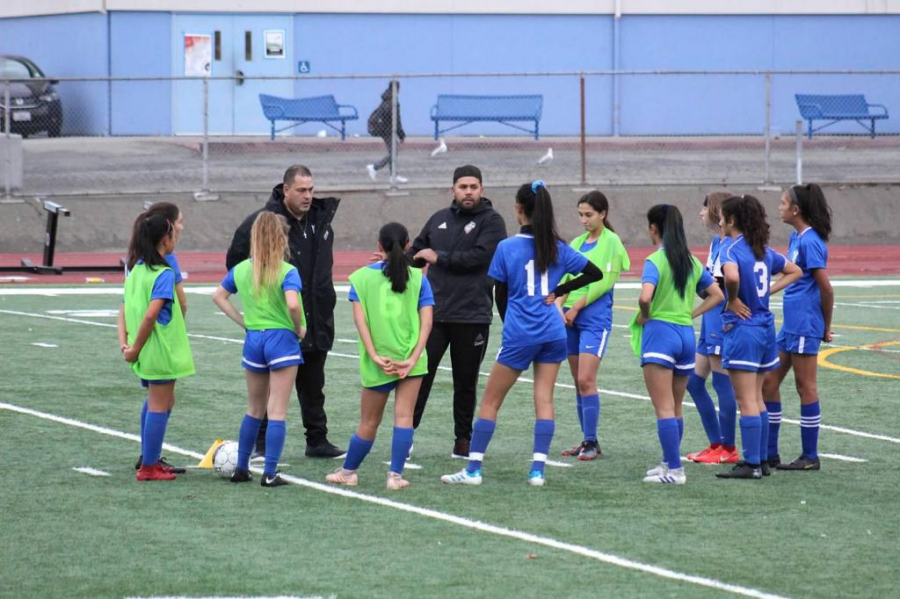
711	336
750	348
271	350
790	343
586	341
520	358
670	345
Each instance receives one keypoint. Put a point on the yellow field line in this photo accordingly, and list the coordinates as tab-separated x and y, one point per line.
853	327
824	355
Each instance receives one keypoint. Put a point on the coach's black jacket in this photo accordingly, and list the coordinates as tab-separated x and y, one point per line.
313	256
465	242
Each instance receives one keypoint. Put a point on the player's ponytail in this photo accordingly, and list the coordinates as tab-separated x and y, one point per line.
268	250
147	233
668	222
749	218
393	238
538	207
167	210
813	207
596	200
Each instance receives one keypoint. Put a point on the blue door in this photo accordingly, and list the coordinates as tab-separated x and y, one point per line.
237	46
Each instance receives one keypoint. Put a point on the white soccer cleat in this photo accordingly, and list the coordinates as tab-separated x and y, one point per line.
441	149
536	479
672	476
546	157
462	478
373	174
661	469
399	179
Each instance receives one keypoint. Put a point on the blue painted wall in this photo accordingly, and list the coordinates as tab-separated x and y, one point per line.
142	47
67	46
139	44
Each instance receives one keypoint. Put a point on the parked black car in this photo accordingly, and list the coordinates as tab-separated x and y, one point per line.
34	106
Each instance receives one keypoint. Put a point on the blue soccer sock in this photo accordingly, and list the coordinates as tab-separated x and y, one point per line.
482	432
590	408
680	422
750	432
154	434
727	408
670	440
275	434
763	436
144	419
400	444
543	436
247	439
579	405
774	410
810	419
703	400
357	451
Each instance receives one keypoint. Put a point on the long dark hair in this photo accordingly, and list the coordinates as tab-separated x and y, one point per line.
538	207
149	231
167	210
596	200
669	223
749	218
813	207
393	238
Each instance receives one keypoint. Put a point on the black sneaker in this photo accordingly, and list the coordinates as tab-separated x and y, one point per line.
324	450
802	463
773	461
742	470
137	465
273	481
460	449
241	476
171	468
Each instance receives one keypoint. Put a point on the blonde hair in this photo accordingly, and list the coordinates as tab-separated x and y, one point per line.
268	249
714	204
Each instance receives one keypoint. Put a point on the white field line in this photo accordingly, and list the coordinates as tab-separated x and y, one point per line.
842	458
600	556
39	344
445	368
866	305
91	471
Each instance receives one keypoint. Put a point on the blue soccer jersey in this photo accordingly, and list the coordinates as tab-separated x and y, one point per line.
528	319
802	302
756	277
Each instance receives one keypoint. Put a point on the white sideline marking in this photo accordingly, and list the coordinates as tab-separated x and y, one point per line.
866	305
411	466
829	427
86	313
555	464
39	344
91	471
600	556
842	458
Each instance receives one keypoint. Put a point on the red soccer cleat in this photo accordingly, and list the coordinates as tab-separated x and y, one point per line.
729	456
710	455
154	472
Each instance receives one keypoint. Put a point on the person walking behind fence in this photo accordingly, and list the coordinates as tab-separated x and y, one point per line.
381	124
457	243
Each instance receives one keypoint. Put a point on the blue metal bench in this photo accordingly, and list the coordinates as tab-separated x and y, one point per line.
321	109
835	108
499	109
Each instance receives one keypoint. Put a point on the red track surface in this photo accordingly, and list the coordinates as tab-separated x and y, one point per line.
209	267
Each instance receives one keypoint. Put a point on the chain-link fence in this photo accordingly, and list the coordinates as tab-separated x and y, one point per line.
209	135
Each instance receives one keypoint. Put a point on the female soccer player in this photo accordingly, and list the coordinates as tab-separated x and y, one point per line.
588	314
152	335
274	321
749	348
170	212
534	331
670	279
392	309
808	305
719	428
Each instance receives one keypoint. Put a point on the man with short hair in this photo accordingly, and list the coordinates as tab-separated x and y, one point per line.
457	243
310	241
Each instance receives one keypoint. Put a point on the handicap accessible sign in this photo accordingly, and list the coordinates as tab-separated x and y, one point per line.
303	67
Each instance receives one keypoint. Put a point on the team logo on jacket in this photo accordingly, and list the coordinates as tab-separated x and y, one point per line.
468	228
442	225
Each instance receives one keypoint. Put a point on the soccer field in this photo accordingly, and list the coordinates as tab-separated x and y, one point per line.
69	401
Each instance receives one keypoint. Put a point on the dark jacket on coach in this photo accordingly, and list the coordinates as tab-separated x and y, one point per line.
465	242
318	287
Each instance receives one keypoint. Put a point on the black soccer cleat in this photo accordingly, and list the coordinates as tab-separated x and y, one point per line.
241	476
171	468
742	470
765	469
139	463
324	450
273	481
802	463
774	460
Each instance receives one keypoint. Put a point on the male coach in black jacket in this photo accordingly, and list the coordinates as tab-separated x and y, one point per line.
458	244
311	241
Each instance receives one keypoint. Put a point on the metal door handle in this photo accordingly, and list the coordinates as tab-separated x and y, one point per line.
239	77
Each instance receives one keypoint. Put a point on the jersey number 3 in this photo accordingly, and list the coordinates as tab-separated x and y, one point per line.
762	278
545	280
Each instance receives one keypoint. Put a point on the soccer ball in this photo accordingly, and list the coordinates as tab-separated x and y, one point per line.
225	459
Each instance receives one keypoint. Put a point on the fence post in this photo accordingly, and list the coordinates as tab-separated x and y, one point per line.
768	131
6	121
799	152
583	136
394	140
204	193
